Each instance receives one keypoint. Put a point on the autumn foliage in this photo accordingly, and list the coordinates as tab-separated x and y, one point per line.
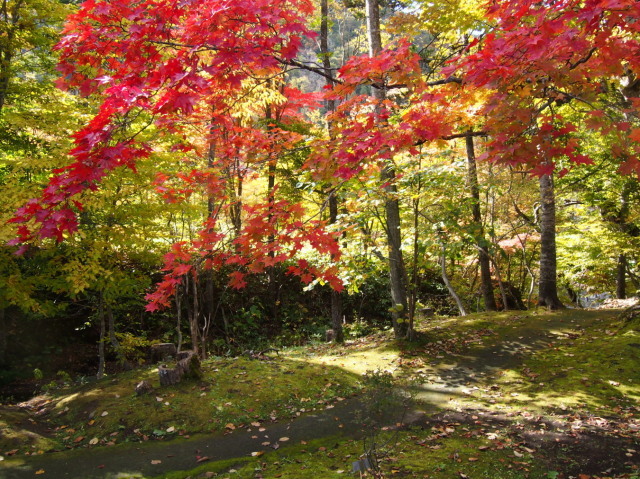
180	67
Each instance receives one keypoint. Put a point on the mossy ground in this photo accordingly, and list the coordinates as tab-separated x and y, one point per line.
527	395
233	393
566	407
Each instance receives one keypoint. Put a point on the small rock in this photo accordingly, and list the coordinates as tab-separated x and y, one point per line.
143	387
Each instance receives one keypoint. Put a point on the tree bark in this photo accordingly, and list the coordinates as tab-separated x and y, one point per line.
179	317
621	277
4	329
486	286
336	297
103	333
447	282
194	330
548	285
397	271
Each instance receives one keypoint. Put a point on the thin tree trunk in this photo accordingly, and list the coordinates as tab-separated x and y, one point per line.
447	282
274	289
486	286
207	275
548	285
4	330
193	318
503	292
336	297
397	271
621	277
179	318
115	344
103	334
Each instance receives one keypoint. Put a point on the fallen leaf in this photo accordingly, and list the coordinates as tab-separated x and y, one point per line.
257	453
171	429
473	459
40	471
283	439
94	441
202	459
230	426
104	413
78	439
156	461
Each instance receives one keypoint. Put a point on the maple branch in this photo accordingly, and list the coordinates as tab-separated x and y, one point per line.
465	135
456	136
574	97
527	219
303	66
322	73
445	81
584	59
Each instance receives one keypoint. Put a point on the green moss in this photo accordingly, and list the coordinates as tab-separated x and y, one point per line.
19	431
232	392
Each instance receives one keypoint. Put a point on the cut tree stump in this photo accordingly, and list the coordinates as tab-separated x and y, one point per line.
188	367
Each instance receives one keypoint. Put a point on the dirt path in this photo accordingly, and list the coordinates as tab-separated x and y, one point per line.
443	381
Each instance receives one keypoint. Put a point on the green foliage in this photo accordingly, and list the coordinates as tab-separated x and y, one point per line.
133	349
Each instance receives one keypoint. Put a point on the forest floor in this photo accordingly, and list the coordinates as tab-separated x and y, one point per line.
504	395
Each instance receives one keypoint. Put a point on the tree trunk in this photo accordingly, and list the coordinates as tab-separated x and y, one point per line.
621	277
397	271
103	331
4	329
179	318
194	330
486	286
336	297
445	278
113	340
548	286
